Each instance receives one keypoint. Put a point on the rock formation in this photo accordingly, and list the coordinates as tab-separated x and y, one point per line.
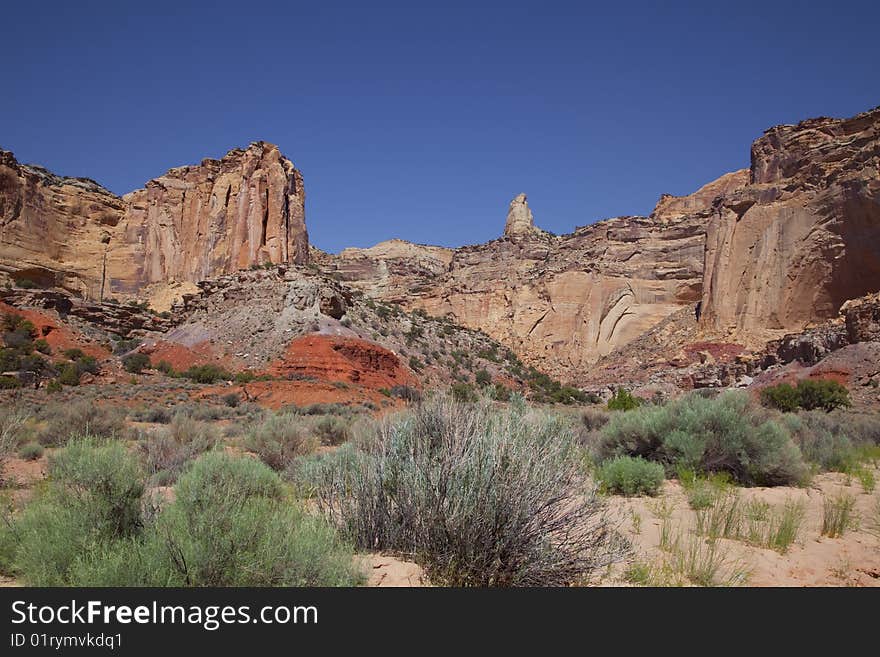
55	231
519	218
558	301
192	223
804	236
756	253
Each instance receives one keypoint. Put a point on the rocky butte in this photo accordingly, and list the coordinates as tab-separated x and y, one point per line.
192	223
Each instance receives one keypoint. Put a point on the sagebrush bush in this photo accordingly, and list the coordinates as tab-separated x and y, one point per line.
229	525
629	475
834	441
479	497
80	418
280	438
30	451
166	453
727	434
332	430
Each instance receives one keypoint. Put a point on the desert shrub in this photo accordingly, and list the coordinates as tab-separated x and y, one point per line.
279	439
406	393
167	453
332	430
124	346
165	367
9	382
463	392
809	394
42	346
500	393
54	386
727	434
482	377
92	497
783	397
594	419
385	391
80	418
13	423
837	441
153	414
415	364
231	399
87	364
68	375
478	497
623	400
629	475
135	363
229	525
245	376
31	451
206	374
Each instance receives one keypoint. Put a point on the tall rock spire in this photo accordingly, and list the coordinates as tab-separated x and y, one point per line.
519	218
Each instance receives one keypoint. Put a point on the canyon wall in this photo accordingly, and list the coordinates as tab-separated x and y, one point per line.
558	301
193	223
804	236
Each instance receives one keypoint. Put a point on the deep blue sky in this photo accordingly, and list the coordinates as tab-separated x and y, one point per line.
422	120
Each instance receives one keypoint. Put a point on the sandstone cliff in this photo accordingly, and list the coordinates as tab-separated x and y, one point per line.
804	236
192	223
755	253
559	301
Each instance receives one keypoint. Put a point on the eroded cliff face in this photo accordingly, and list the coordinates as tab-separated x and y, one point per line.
55	231
558	301
191	224
804	236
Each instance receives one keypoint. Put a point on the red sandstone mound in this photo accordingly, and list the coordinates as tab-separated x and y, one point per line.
336	358
57	334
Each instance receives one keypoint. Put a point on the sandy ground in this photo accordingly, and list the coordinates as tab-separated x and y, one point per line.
813	560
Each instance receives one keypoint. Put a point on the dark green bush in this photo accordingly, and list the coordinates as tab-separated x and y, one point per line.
783	397
623	400
9	382
631	475
500	393
231	399
809	394
463	392
43	347
727	434
135	363
822	394
206	374
482	378
68	374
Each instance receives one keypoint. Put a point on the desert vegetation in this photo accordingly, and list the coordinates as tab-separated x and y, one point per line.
478	491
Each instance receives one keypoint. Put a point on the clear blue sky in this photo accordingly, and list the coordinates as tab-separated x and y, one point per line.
422	120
